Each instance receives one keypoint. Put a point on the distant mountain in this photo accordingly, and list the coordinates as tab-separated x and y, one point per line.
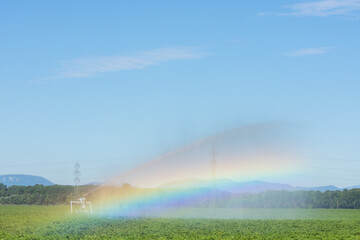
221	185
245	187
188	183
229	185
321	188
23	180
95	183
254	187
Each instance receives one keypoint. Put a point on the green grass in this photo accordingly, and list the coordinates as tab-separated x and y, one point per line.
40	222
257	213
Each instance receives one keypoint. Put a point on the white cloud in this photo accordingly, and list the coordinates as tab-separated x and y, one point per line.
90	66
308	51
323	8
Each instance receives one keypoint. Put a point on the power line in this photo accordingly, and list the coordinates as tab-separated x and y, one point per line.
337	169
332	159
66	163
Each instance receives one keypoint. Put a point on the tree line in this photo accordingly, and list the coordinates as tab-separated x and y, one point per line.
62	194
348	199
39	194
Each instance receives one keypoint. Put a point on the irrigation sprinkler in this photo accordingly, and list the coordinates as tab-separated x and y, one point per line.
82	206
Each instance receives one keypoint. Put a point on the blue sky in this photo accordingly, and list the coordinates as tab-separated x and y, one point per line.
115	83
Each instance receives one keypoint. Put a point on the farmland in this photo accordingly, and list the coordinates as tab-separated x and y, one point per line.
49	222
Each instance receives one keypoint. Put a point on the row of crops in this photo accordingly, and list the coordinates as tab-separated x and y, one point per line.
41	222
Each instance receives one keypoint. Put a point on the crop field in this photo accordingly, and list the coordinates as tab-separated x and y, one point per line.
49	222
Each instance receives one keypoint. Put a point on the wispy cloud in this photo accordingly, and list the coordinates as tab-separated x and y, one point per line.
308	51
323	8
91	66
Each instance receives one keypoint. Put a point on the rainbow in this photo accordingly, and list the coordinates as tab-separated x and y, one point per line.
188	175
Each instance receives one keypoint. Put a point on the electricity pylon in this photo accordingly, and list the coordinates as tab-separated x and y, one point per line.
213	163
213	174
76	180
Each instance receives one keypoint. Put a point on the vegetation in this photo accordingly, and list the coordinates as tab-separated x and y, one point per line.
348	199
58	194
54	222
38	194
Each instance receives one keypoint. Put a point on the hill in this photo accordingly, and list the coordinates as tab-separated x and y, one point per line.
244	187
23	180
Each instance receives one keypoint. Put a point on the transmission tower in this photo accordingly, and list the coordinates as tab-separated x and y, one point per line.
213	173
76	179
80	205
213	163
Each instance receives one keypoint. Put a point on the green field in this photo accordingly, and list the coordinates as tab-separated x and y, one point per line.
42	222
